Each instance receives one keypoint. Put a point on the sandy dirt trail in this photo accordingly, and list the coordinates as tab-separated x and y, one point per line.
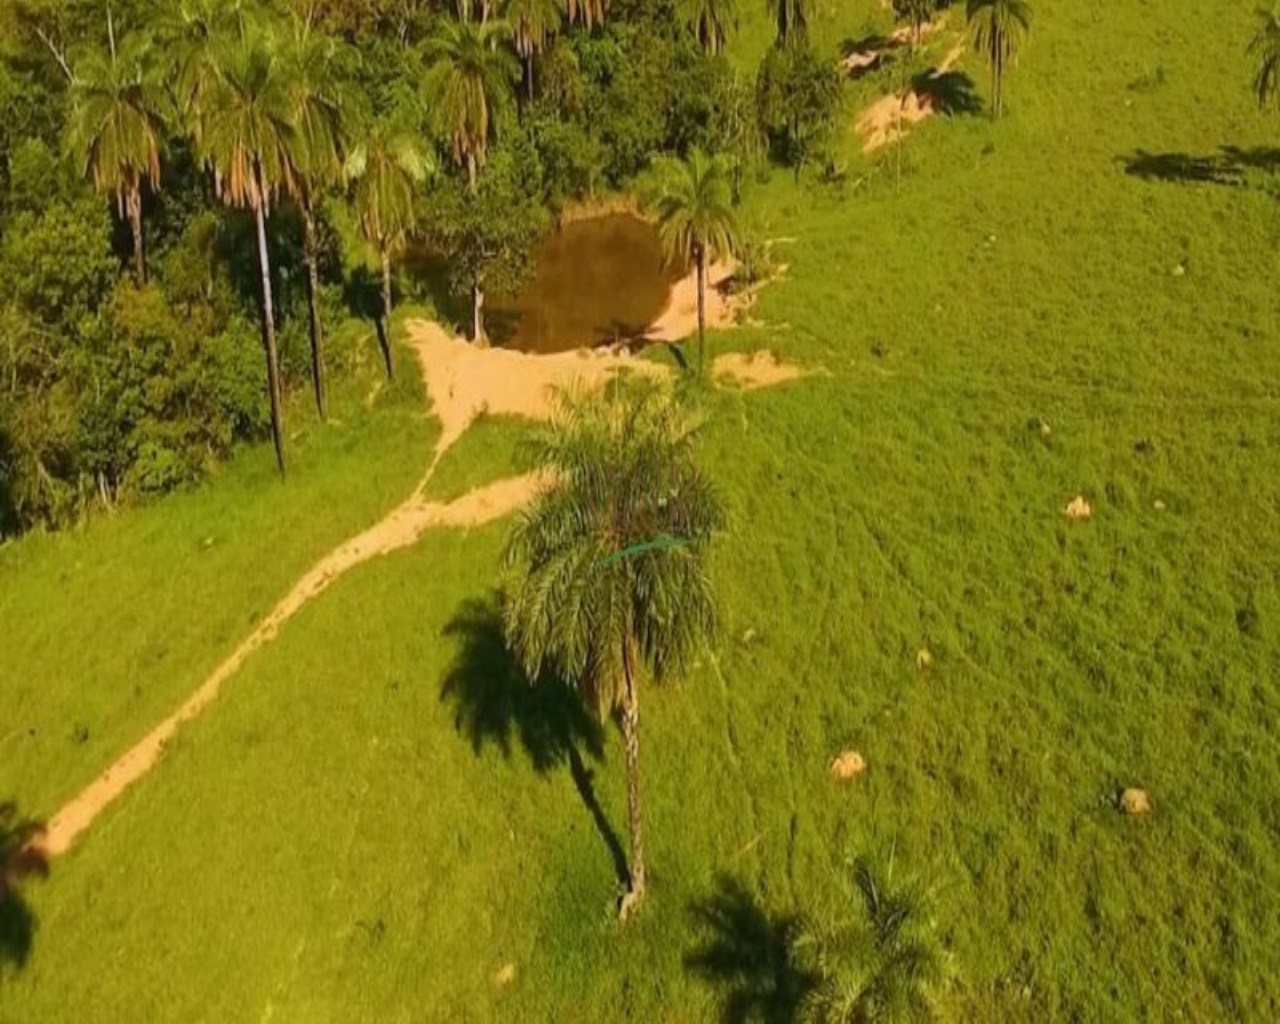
462	381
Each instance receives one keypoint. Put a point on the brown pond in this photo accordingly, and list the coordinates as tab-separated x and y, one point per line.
594	282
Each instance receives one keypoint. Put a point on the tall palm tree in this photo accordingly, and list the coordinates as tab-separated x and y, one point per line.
470	82
589	12
116	128
193	34
999	28
711	21
1266	49
533	23
791	18
694	207
608	581
248	136
322	121
887	967
386	167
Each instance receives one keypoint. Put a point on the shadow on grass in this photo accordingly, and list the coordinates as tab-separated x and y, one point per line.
1225	167
495	703
950	92
751	955
18	861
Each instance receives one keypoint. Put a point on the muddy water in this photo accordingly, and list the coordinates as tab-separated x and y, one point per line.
594	282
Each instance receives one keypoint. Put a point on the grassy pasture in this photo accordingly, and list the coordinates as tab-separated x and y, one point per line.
377	817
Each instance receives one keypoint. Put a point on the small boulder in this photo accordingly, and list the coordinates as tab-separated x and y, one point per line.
924	659
504	975
748	637
1135	801
848	764
1079	508
1160	505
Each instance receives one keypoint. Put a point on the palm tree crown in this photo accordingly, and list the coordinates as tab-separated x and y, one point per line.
589	12
791	18
999	28
696	221
1266	49
116	127
609	561
471	76
711	21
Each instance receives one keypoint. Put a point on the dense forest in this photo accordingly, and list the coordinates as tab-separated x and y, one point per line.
194	196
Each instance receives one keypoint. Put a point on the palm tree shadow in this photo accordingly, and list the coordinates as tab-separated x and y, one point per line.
362	293
1227	166
752	955
950	92
19	859
495	703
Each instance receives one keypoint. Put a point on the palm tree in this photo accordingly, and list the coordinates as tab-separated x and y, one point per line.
999	28
694	208
116	128
386	167
193	34
321	118
533	23
247	135
711	21
1266	48
589	12
791	17
470	81
608	577
889	967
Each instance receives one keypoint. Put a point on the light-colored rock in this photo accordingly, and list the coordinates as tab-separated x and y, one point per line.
848	764
924	659
1135	802
504	975
1079	508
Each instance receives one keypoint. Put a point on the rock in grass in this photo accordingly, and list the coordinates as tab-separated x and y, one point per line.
924	659
504	976
1079	508
848	764
1136	802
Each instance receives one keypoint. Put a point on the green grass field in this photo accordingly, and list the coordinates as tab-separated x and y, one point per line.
376	817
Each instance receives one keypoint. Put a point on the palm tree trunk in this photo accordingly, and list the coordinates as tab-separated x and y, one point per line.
635	820
311	255
386	309
700	259
528	76
133	205
269	331
471	172
477	312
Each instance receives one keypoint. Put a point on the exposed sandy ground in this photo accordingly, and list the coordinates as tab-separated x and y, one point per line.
861	60
750	372
462	380
680	319
887	119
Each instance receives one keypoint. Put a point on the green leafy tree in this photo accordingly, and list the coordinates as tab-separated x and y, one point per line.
889	966
1265	49
608	578
998	28
711	22
470	84
797	93
694	207
533	24
386	167
116	128
322	118
791	18
248	136
486	235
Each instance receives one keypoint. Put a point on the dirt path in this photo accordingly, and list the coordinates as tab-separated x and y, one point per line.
461	381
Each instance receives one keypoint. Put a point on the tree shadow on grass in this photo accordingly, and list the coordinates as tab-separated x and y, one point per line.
1225	167
950	92
18	861
495	703
750	954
